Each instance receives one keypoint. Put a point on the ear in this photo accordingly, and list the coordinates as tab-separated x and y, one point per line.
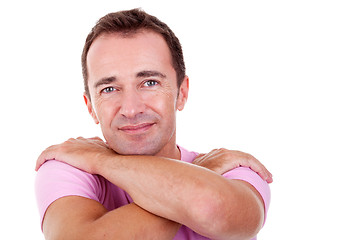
183	94
90	108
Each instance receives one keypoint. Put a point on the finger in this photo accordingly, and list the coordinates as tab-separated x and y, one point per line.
97	138
269	177
266	175
200	155
99	141
40	161
47	154
216	151
198	159
259	168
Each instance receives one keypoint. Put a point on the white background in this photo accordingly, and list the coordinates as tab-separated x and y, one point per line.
277	79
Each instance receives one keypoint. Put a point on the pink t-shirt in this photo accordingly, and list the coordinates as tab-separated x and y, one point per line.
56	179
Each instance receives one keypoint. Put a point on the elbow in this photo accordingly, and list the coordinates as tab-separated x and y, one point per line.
206	216
242	221
229	217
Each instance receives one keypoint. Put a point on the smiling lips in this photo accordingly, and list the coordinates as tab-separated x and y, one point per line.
136	129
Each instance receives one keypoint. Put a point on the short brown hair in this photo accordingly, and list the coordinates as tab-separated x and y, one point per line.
130	22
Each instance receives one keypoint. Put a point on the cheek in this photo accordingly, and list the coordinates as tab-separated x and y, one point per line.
105	111
162	103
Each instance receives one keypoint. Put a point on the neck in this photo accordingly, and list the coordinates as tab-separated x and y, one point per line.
172	152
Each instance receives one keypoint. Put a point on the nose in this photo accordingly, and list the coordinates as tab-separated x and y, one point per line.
131	103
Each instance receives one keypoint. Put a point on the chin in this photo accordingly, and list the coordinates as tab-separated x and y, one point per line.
136	149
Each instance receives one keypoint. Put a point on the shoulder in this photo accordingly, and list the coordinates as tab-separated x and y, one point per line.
59	173
251	177
55	180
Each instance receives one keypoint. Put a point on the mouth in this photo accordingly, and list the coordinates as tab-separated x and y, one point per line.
136	129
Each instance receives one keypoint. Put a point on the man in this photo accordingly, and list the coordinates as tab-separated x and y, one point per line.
140	184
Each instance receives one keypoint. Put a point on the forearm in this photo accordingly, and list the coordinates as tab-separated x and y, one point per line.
81	218
138	224
172	189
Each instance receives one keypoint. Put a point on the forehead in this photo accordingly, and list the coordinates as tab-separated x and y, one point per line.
145	49
123	40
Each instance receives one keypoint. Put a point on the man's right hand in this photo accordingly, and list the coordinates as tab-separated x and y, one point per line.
223	160
82	153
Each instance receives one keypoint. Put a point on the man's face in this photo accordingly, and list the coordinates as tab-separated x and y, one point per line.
134	93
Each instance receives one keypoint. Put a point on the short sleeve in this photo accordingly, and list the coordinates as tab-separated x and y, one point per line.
248	175
55	179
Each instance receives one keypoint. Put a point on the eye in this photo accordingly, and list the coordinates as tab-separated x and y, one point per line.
150	83
108	90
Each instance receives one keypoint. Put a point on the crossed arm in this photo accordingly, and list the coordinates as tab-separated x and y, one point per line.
160	193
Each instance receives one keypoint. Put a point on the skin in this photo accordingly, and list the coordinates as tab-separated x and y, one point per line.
134	97
140	99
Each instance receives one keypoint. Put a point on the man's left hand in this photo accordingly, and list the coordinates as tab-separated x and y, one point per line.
223	160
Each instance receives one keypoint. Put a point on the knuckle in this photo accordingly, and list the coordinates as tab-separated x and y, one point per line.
222	151
228	154
249	157
214	151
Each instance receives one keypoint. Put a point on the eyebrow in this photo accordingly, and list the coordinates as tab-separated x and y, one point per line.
142	74
104	81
